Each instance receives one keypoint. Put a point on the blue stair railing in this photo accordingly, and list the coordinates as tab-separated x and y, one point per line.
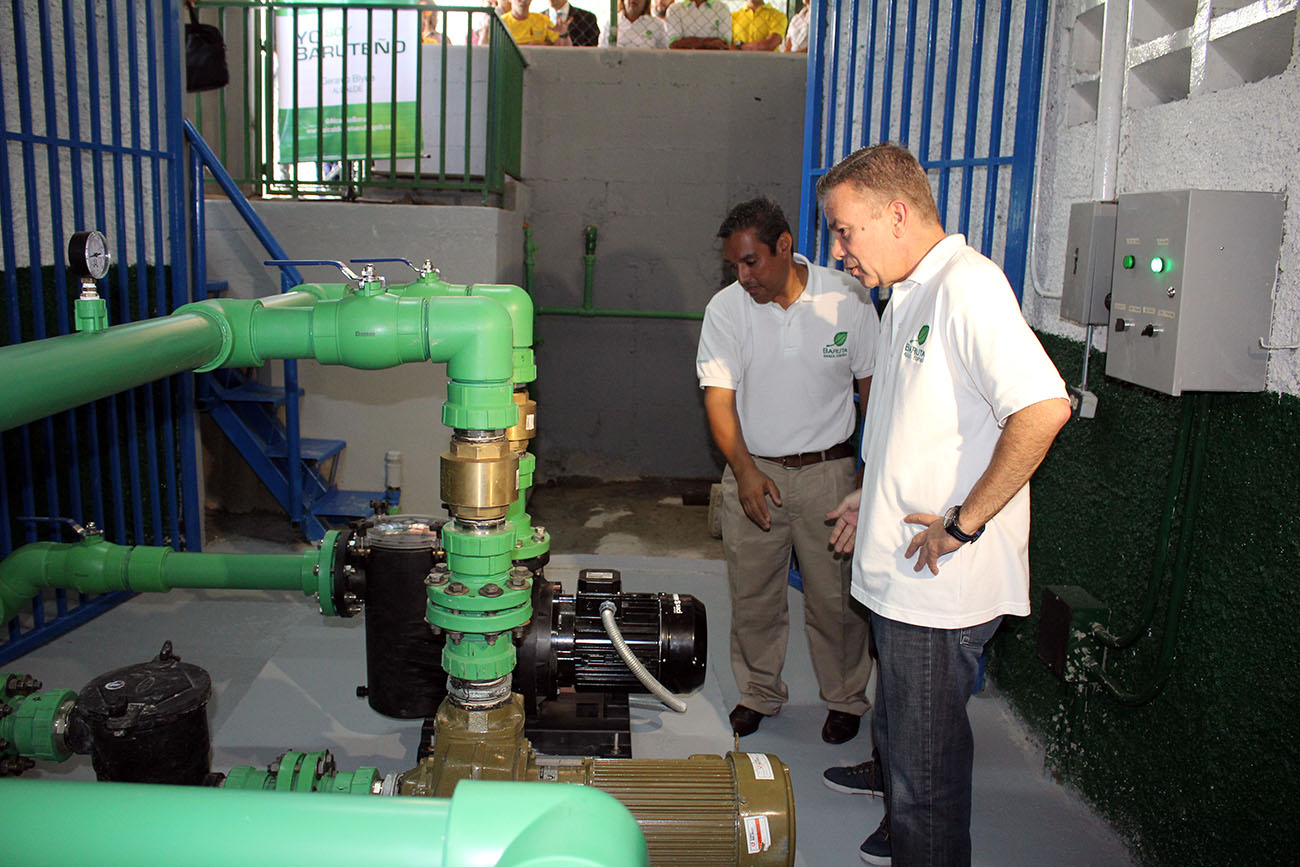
299	473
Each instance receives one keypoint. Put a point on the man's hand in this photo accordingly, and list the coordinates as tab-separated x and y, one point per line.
845	516
753	488
931	543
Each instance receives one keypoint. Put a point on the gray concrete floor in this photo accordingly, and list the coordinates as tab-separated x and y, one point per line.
285	678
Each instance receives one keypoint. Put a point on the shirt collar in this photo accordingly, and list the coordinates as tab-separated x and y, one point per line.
563	10
933	261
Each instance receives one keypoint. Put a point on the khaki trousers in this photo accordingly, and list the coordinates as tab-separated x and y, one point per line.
758	565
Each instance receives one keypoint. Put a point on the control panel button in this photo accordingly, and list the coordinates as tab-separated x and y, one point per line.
1121	325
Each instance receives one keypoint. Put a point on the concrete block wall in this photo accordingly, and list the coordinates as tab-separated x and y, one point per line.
652	148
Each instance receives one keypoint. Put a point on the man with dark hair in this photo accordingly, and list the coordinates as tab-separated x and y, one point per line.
965	405
780	350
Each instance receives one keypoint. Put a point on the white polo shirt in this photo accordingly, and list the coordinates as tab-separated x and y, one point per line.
646	31
710	20
793	370
955	359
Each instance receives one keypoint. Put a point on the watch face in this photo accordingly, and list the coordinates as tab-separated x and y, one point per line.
88	254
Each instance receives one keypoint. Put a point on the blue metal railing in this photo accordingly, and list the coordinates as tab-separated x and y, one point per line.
851	103
92	139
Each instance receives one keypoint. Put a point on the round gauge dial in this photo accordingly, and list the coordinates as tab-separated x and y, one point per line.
88	254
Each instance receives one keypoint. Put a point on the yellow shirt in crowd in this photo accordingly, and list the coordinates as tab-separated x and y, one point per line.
534	30
753	25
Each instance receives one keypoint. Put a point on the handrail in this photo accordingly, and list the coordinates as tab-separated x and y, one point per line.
204	158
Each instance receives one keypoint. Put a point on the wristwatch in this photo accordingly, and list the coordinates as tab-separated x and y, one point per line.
950	525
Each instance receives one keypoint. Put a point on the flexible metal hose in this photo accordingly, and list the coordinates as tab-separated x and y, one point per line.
647	679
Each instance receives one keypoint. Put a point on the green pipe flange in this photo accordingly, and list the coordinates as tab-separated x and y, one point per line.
527	466
30	729
474	659
305	779
480	406
477	555
530	546
477	623
475	604
284	776
325	577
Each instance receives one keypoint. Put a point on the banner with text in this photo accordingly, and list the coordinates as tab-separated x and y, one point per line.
312	116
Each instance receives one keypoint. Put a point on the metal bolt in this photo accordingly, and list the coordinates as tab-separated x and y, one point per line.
490	590
539	534
315	570
456	588
437	630
349	570
436	578
491	637
518	633
455	637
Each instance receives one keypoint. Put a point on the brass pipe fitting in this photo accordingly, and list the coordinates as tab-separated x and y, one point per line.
526	428
479	478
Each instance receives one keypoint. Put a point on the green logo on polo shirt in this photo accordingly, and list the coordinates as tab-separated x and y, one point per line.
836	348
913	351
841	337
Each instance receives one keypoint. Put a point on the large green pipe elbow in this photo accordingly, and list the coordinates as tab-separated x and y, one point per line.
517	303
96	566
483	823
473	336
43	377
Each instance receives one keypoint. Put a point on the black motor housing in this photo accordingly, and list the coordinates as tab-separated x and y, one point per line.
566	643
146	723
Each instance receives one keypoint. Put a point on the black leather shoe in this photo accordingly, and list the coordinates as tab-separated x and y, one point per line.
744	720
840	727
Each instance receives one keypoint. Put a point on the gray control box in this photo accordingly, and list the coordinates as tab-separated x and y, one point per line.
1192	289
1089	256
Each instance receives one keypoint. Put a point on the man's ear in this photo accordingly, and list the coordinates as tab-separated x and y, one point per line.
899	216
784	244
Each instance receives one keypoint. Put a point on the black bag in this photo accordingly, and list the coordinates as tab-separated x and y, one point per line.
205	56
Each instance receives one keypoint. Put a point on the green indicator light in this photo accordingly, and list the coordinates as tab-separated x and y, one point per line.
1129	261
1157	265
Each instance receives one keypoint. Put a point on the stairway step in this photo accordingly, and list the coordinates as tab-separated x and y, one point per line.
252	392
310	449
346	504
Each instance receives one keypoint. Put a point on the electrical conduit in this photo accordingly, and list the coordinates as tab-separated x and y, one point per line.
635	665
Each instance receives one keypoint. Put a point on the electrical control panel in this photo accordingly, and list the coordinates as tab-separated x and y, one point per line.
1089	255
1192	289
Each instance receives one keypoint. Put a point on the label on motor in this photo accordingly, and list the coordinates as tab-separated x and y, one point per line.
762	766
758	837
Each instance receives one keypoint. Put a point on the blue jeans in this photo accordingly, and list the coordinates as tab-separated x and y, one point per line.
925	677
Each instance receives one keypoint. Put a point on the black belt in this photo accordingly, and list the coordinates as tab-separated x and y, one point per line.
805	459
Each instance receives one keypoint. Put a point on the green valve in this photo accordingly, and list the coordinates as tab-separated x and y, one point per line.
1157	264
1129	261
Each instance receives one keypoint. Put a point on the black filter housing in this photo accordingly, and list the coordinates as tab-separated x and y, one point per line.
404	676
566	644
147	723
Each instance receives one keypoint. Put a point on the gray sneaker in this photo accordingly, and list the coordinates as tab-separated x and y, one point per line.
876	849
863	779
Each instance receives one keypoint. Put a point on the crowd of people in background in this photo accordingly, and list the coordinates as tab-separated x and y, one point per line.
655	24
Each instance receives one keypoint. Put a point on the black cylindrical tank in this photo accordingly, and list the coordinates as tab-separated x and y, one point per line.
404	676
147	723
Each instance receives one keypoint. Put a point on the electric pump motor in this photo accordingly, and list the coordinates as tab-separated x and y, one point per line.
146	723
404	676
566	644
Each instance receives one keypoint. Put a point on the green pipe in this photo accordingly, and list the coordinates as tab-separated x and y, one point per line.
42	377
472	335
1178	592
588	307
483	823
1172	490
94	565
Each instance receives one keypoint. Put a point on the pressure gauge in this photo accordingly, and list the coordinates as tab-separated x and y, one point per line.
88	254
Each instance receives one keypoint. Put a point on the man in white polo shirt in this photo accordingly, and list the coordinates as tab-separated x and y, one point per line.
699	24
965	405
780	351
